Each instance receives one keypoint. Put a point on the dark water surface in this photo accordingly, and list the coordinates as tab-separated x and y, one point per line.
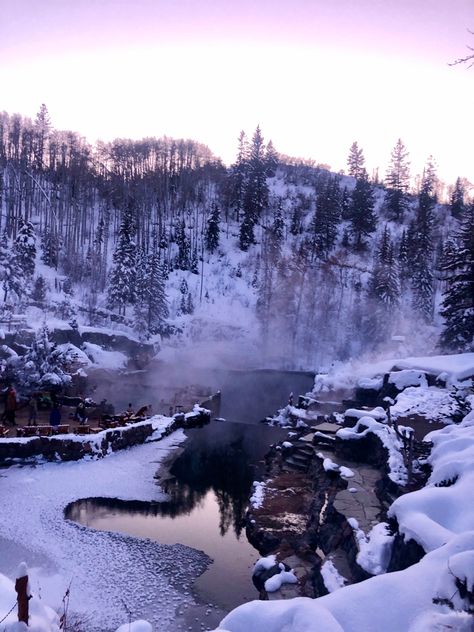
211	481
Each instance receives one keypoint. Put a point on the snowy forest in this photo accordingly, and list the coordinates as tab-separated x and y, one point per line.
149	235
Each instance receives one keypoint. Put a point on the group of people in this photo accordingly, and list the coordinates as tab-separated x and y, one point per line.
11	407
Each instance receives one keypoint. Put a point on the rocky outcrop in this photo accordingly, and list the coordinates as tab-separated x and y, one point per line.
139	353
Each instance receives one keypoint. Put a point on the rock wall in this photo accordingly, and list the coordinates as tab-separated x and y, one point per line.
72	448
138	352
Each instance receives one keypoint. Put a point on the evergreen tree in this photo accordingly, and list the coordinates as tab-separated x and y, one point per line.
43	364
123	275
271	160
295	224
184	249
324	225
346	204
25	248
404	259
397	182
39	290
457	199
356	161
276	230
458	299
10	273
362	217
383	289
50	249
246	236
213	230
422	275
256	190
238	175
151	309
189	304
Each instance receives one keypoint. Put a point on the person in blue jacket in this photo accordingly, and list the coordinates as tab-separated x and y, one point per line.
55	416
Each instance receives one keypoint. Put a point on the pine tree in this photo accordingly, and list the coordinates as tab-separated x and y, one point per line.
238	176
123	275
362	217
422	275
276	231
39	290
383	289
346	200
151	309
324	225
25	248
213	230
404	259
458	299
10	273
295	224
457	199
397	182
246	236
43	364
189	304
271	160
256	190
356	161
183	260
50	249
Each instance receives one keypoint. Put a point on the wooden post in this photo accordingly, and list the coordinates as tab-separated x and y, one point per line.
21	587
410	455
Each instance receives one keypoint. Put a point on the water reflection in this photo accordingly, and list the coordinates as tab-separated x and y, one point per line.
209	491
211	481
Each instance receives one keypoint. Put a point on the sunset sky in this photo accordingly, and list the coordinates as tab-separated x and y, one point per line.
315	75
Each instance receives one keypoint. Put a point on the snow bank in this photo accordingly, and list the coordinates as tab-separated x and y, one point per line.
436	404
445	507
105	359
377	413
407	377
458	366
375	548
365	425
295	615
367	374
331	577
136	626
365	607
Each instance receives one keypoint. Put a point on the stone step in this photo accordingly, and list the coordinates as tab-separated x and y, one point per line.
291	465
302	449
301	458
327	428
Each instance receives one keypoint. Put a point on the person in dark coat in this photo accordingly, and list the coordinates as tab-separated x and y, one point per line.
80	414
55	416
32	411
10	405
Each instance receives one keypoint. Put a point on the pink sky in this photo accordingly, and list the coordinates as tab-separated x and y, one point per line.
315	75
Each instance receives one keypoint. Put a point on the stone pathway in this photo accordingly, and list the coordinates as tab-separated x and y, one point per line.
361	503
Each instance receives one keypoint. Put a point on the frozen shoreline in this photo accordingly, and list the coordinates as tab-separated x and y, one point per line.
108	570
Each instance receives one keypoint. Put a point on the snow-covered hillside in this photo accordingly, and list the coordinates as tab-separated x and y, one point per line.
291	264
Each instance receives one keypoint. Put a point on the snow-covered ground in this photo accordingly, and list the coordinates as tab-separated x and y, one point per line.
108	573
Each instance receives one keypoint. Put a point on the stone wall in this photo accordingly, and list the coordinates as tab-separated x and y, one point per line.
70	447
